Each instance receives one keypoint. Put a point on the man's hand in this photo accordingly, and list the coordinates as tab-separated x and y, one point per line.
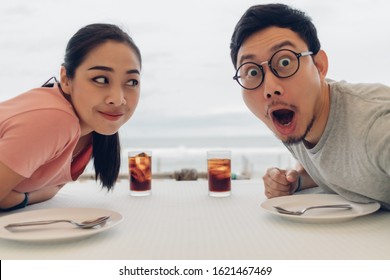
279	182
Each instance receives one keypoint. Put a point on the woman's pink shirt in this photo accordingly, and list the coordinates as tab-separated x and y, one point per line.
38	133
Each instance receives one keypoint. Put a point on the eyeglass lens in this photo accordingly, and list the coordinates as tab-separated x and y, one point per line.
283	64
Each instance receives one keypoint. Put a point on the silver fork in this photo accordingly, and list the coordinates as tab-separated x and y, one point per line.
83	225
300	212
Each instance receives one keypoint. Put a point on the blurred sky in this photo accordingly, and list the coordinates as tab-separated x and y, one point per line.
187	86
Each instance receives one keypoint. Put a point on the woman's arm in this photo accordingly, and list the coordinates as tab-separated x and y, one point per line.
8	180
10	198
43	194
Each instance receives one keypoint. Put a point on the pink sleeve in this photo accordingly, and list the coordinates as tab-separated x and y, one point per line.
34	138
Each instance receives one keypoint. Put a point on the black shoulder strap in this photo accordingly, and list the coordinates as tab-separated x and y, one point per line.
49	82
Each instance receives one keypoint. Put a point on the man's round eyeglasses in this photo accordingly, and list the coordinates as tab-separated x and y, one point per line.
283	64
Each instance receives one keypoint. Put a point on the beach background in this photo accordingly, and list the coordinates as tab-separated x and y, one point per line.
189	101
250	155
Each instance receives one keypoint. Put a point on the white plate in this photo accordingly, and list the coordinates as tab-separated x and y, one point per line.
300	201
59	231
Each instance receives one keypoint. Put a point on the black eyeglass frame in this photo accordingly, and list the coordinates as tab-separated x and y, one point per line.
268	62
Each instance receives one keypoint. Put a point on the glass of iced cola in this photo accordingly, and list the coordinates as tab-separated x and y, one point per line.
140	172
219	173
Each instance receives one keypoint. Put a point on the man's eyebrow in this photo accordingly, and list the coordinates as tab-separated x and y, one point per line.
109	69
273	49
246	57
282	45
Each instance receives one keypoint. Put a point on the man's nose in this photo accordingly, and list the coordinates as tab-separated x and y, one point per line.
272	86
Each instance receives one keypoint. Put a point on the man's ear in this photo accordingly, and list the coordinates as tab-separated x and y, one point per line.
65	81
321	62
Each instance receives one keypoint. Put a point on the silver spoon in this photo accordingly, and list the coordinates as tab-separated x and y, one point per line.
83	225
300	212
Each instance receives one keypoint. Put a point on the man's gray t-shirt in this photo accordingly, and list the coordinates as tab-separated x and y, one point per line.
352	157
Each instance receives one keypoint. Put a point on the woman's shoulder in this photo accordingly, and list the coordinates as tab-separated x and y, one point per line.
35	100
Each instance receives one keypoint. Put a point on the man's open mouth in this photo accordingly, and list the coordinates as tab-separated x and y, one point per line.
283	117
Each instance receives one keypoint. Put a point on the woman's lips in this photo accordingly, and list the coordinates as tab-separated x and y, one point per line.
112	116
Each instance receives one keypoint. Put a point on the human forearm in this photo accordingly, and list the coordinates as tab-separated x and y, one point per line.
43	194
306	181
16	200
11	199
8	180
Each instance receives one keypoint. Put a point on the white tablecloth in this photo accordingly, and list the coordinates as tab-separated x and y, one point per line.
180	221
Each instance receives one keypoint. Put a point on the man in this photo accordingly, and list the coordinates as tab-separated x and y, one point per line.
338	132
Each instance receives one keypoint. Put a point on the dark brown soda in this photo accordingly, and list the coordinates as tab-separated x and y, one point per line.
140	168
219	175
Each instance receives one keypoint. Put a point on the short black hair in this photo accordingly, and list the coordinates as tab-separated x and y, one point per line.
259	17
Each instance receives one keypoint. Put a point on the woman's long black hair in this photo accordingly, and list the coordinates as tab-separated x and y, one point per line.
106	148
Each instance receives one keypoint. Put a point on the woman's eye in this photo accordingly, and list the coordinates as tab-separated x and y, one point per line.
132	83
100	80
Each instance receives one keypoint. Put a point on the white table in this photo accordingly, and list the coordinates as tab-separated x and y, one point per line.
180	221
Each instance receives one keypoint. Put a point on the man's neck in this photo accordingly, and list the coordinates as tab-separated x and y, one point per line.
321	117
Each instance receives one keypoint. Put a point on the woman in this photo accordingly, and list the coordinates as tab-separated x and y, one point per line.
49	134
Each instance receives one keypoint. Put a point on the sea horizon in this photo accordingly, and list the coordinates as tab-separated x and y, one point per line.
193	141
251	155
